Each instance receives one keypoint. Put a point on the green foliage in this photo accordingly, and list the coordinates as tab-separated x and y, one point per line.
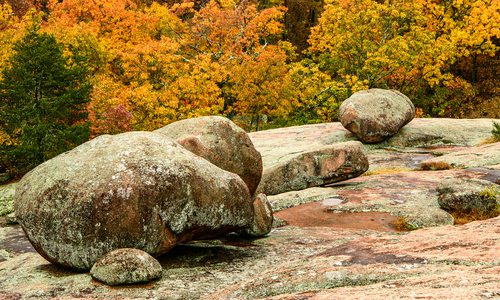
496	131
490	193
43	99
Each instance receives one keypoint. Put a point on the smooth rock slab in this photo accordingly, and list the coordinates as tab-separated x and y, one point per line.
220	141
126	266
133	190
327	164
375	115
482	156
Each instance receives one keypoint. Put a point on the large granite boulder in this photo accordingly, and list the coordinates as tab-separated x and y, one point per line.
316	167
126	266
220	141
133	190
375	115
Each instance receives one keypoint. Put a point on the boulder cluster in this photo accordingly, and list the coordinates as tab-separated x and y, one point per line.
144	190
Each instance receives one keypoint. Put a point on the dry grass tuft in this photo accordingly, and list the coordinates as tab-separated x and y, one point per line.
435	166
386	171
402	224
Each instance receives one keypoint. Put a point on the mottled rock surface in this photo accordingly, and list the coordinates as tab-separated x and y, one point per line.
483	156
469	196
221	142
375	115
126	266
448	262
315	167
133	190
262	218
429	132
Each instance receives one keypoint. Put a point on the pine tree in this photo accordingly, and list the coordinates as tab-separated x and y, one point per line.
43	100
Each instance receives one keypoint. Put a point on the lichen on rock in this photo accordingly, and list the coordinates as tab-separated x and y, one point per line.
375	115
126	266
133	190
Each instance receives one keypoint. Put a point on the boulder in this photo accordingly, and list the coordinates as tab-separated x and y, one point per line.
262	219
220	141
466	196
133	190
375	115
126	266
324	165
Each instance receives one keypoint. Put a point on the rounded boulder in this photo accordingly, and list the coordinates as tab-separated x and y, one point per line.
375	115
126	266
220	141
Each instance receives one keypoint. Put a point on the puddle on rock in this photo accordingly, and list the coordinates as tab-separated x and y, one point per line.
316	214
331	201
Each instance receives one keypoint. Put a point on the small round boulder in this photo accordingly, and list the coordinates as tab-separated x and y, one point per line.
262	218
375	115
126	266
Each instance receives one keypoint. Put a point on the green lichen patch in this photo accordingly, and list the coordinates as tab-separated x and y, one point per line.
7	198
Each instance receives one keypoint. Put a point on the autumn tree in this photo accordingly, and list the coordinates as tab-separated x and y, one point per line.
407	45
43	100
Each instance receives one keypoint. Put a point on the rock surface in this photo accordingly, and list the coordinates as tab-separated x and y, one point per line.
375	115
126	266
133	190
457	262
469	196
483	156
315	167
262	218
325	257
276	144
438	132
411	196
221	142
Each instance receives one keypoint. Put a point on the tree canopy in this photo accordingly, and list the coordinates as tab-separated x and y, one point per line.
43	99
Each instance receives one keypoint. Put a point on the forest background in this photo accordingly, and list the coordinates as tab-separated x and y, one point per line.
72	70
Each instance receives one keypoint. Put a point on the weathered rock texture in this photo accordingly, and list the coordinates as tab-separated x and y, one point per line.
221	142
126	266
469	196
483	156
133	190
375	115
262	219
315	167
426	132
